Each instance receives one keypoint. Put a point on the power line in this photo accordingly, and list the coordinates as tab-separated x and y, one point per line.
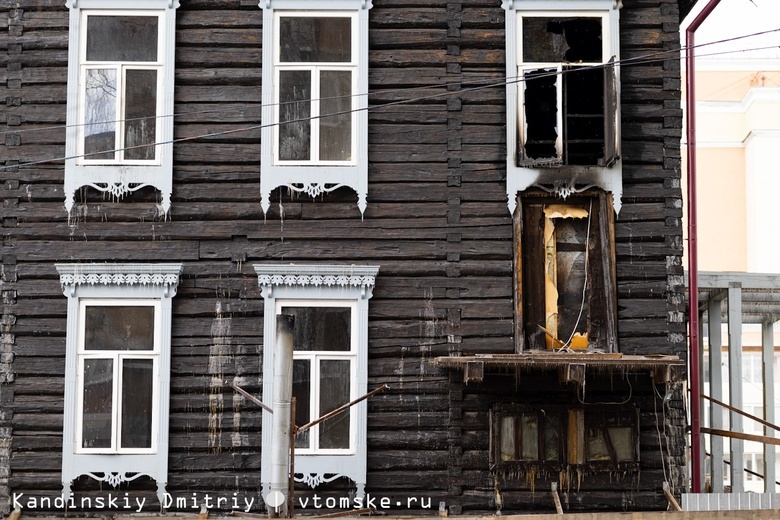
638	60
651	56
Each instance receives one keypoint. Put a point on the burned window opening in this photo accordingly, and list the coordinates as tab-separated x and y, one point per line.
553	437
528	436
562	39
565	273
565	266
611	437
568	97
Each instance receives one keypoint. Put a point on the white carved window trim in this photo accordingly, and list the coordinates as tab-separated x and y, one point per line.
311	177
115	177
129	284
567	179
117	356
304	284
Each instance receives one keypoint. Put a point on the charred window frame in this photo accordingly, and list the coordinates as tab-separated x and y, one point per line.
565	272
563	97
523	436
315	77
120	97
549	438
568	98
612	437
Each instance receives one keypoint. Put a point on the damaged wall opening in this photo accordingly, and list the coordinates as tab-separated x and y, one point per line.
568	97
552	437
565	272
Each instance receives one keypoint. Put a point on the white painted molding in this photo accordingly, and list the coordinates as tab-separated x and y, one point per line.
121	180
315	179
344	283
117	282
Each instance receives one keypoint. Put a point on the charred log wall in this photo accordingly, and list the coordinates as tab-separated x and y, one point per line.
437	224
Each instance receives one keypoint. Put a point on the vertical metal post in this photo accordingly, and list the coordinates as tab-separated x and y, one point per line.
714	309
291	489
702	447
768	373
693	249
280	455
735	386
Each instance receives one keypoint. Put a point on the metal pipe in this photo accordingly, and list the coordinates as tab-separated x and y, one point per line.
280	450
693	257
340	409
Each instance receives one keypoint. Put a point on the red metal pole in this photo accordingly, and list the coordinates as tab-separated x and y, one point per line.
693	259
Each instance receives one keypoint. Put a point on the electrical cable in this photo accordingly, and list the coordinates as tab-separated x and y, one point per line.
649	58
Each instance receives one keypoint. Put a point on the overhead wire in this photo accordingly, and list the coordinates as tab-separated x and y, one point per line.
637	60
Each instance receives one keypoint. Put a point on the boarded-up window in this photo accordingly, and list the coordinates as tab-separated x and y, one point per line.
565	272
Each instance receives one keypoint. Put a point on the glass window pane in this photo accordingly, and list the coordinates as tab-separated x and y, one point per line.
98	401
119	328
321	328
597	446
140	113
508	438
562	39
530	439
294	114
335	381
335	130
301	390
552	437
100	116
137	384
623	442
308	39
122	38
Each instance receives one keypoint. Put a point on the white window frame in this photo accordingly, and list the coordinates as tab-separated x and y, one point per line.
325	285
314	177
117	356
316	356
562	180
120	177
116	284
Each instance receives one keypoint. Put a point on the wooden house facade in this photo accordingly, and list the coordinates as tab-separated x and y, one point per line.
474	202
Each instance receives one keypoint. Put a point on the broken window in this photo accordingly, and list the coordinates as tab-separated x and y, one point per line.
612	437
526	436
551	437
565	272
568	98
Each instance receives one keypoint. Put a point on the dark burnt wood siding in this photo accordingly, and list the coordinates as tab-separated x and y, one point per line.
437	223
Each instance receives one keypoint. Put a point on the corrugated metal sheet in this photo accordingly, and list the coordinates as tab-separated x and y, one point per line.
729	501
